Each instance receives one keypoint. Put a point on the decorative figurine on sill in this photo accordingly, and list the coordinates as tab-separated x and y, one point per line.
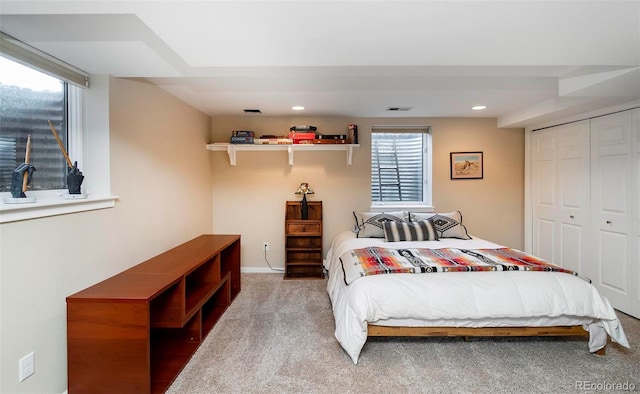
74	176
74	179
21	176
20	179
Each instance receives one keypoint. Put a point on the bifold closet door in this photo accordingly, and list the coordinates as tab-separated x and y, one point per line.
613	188
635	265
544	175
561	204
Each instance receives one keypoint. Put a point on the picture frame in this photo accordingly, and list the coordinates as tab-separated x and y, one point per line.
466	165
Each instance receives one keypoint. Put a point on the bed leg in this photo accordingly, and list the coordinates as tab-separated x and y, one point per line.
466	338
601	352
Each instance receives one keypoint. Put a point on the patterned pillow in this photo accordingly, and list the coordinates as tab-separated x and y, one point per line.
369	224
448	225
423	230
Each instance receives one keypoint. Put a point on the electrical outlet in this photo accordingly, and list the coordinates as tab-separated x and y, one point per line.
265	246
26	366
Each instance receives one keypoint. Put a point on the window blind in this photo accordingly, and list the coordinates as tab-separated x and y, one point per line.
397	164
20	52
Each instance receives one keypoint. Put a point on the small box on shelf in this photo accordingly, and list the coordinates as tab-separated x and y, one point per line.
300	137
353	133
242	137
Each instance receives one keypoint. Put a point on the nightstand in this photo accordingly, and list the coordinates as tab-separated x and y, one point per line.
303	241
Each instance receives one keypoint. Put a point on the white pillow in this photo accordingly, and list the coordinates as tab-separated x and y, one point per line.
448	225
370	224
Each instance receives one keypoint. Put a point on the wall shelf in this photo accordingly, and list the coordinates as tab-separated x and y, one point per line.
231	149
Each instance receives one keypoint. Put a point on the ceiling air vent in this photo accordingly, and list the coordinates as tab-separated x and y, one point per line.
396	109
252	111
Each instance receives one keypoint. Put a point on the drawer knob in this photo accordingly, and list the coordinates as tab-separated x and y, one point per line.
608	221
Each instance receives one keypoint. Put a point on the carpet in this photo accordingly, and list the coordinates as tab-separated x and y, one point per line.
277	337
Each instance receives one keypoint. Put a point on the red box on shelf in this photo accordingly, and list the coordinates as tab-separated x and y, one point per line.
296	136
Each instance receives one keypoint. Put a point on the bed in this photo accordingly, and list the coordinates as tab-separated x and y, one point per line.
446	301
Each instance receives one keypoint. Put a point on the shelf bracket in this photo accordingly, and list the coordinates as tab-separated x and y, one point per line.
231	151
349	154
290	152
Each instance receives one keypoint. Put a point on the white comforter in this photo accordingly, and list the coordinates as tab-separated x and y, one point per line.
461	299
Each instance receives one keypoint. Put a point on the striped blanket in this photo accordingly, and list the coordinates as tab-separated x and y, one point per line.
375	260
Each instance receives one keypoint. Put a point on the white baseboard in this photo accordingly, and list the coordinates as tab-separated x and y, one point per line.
261	270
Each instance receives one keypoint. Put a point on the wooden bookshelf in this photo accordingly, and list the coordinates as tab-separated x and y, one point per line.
134	332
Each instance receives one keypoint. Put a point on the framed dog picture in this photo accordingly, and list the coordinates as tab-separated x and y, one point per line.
466	165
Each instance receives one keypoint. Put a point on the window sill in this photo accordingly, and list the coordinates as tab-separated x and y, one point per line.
44	207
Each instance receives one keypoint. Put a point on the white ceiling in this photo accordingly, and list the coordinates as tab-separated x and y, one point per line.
529	62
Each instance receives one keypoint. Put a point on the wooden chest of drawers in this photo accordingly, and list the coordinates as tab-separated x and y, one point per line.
303	241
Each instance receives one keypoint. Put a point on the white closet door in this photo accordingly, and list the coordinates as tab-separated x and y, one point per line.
611	192
635	260
560	184
544	173
573	195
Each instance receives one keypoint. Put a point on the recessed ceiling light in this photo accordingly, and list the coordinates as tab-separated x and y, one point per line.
479	107
297	108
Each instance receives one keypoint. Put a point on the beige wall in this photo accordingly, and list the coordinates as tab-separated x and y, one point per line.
249	197
167	181
161	172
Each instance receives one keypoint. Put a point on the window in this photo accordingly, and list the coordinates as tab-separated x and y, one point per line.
400	167
25	109
36	88
29	100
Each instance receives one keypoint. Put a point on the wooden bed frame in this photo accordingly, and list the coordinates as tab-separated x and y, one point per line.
466	332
